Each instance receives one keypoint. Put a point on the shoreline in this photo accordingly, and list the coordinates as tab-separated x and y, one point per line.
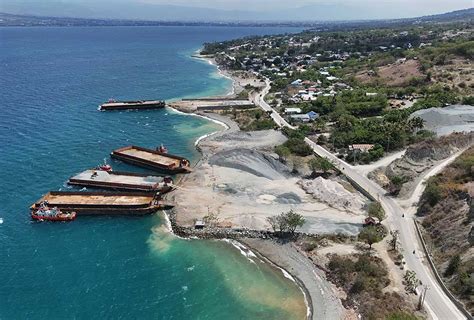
221	72
230	126
306	294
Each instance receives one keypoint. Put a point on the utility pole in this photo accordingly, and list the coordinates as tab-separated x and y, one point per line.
421	302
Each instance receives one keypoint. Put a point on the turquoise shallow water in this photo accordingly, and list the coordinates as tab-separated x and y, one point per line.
51	81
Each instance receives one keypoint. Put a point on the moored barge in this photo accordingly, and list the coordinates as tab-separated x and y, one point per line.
125	105
103	203
152	159
122	181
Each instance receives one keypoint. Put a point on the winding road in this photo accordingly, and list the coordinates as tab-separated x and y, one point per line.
437	303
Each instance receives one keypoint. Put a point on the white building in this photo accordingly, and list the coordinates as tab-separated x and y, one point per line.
292	110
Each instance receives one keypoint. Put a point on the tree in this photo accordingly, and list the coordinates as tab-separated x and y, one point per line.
320	164
411	281
282	223
322	140
453	265
394	241
286	222
294	220
375	210
282	152
370	235
432	192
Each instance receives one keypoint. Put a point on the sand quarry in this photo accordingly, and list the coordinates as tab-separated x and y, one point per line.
240	180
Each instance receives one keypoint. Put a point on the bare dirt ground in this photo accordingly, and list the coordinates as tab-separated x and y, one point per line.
417	161
396	74
240	181
456	73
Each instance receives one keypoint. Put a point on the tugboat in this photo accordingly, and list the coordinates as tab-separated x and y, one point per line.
105	166
44	213
162	149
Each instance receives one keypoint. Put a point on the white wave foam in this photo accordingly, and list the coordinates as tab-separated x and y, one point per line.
167	222
223	124
246	252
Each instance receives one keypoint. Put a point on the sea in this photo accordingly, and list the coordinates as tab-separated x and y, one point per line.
51	83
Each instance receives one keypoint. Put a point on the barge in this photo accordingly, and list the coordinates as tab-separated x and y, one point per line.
126	181
152	159
126	105
102	203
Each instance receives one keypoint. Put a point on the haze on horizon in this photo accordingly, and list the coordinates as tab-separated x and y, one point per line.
234	10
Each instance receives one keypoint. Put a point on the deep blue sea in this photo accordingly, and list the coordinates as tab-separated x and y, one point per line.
51	82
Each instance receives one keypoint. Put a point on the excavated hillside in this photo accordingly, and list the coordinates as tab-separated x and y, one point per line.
402	175
447	213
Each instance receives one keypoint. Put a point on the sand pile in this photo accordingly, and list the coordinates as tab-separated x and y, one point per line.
251	161
264	139
333	194
455	118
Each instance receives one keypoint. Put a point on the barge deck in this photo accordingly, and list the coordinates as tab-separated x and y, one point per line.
126	105
152	159
103	203
122	181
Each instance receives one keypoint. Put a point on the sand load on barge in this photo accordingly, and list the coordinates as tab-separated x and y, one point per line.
152	159
103	203
126	105
122	181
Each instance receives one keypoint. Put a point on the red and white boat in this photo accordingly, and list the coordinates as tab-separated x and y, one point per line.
162	149
44	213
105	166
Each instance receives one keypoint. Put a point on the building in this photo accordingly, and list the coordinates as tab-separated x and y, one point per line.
292	110
296	82
361	147
371	221
312	115
199	224
300	117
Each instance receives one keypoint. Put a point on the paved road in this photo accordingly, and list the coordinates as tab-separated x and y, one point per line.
259	100
438	305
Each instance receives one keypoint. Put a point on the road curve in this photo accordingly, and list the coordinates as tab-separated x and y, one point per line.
437	303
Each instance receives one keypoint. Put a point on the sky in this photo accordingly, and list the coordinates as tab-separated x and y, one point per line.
438	5
237	10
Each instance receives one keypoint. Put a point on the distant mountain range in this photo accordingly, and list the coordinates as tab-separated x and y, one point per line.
209	17
156	12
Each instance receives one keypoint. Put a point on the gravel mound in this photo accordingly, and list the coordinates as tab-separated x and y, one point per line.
443	121
251	161
266	139
333	194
